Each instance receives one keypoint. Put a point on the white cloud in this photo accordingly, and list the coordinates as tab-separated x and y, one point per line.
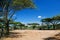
39	16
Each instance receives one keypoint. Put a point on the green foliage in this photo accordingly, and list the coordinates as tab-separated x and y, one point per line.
17	4
47	20
21	4
52	21
33	25
56	17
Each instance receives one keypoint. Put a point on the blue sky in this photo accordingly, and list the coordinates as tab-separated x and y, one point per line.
45	8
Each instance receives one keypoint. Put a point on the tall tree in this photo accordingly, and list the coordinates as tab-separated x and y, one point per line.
12	5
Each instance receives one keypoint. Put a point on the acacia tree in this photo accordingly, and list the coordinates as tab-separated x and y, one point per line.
53	21
33	25
56	19
47	21
16	24
12	5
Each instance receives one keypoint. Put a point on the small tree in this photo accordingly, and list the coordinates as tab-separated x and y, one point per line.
47	21
33	25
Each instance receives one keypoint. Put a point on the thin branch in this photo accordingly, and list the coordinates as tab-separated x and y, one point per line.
12	15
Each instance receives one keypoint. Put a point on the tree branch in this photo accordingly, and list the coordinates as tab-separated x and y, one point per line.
12	15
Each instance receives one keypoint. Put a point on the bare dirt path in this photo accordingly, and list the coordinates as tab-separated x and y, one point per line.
31	34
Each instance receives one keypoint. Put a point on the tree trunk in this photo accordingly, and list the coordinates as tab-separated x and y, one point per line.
48	26
2	31
7	28
53	26
34	27
15	27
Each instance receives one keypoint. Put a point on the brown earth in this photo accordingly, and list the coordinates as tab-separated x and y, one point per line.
32	35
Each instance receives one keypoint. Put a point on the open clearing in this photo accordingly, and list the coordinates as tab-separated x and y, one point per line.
31	34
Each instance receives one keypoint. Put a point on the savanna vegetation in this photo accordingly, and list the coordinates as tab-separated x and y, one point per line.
51	23
8	23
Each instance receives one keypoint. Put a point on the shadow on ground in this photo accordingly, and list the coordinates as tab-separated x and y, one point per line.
56	37
15	35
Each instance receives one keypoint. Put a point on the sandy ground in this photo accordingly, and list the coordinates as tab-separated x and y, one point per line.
31	34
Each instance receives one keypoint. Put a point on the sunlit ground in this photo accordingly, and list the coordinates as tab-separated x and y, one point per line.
33	35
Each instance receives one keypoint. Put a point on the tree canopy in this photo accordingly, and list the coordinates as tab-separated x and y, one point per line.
52	21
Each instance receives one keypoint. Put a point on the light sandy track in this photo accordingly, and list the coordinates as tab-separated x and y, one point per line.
31	34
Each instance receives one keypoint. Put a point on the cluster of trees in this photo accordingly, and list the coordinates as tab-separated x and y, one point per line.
33	25
52	22
8	9
17	25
